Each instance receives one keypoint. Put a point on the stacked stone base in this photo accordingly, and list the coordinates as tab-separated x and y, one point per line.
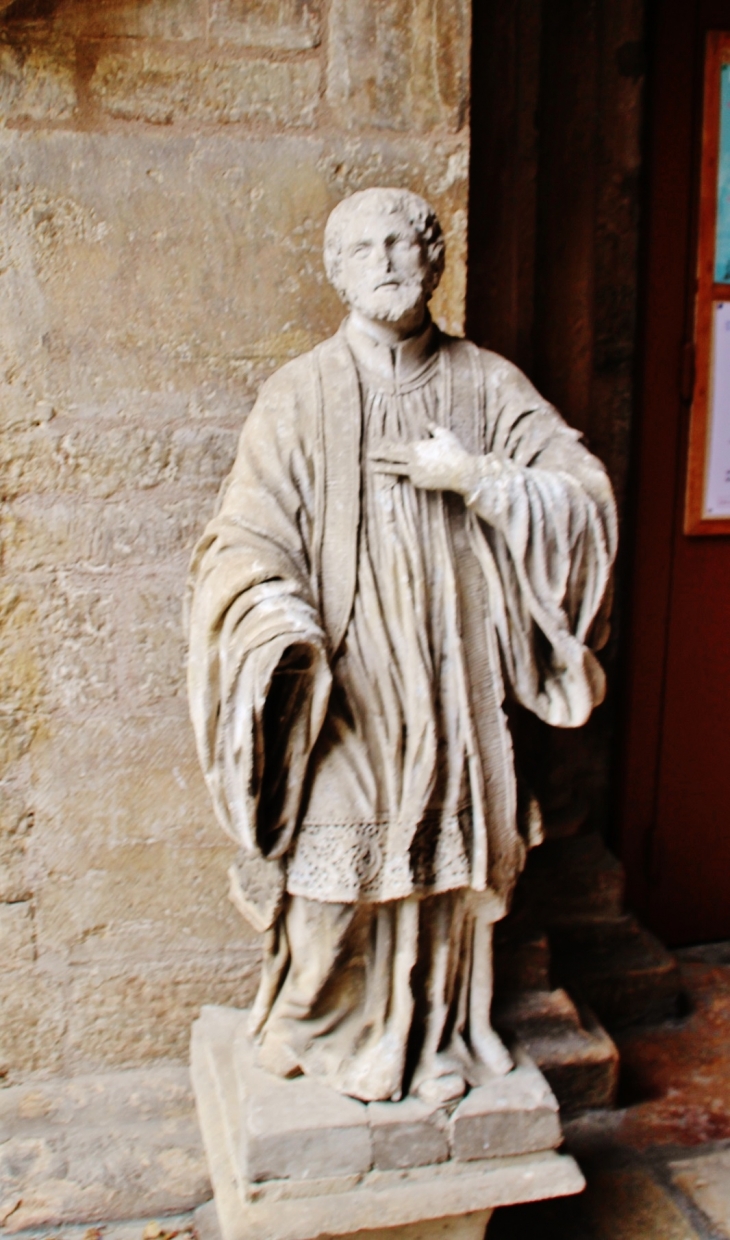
294	1160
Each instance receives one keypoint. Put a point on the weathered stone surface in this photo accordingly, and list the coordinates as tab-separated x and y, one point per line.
407	1134
144	902
152	648
296	1129
14	884
74	640
706	1180
129	1013
37	79
510	1115
156	224
105	783
33	1025
17	936
50	531
131	350
399	64
161	88
285	24
99	460
115	1145
137	19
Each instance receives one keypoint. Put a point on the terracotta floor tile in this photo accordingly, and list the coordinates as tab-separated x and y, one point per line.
676	1076
706	1180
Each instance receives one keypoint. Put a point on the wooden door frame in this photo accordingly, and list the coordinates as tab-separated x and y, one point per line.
663	392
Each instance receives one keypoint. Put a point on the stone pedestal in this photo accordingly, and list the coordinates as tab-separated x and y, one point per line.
294	1160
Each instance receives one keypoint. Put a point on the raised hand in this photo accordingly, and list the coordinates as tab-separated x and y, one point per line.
436	464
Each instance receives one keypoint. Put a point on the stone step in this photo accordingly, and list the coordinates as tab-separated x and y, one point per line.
521	954
114	1145
573	877
616	966
570	1047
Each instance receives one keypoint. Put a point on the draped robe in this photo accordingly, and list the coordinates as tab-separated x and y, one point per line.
352	641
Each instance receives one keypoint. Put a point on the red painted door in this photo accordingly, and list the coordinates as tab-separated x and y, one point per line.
676	787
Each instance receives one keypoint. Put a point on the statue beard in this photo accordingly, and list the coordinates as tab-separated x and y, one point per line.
390	305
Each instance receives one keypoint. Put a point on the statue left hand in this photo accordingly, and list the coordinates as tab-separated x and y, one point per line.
436	464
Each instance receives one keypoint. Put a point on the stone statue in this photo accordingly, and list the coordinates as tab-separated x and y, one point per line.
409	536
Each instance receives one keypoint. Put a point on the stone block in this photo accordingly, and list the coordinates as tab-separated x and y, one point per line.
113	1145
152	648
400	64
17	731
282	24
591	880
132	19
297	1129
75	641
407	1134
22	675
510	1115
157	222
108	782
14	885
153	86
141	902
37	78
129	1016
623	970
56	532
17	935
98	460
15	820
573	1051
705	1179
33	1025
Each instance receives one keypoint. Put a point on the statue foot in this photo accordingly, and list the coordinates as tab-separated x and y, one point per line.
276	1057
441	1089
492	1052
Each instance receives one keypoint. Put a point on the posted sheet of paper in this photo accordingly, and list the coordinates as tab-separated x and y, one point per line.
717	493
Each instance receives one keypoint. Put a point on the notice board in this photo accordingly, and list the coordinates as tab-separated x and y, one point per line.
707	502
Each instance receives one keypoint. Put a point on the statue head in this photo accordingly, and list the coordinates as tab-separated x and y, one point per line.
384	254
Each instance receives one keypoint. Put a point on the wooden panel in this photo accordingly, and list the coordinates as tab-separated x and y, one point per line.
502	190
676	793
666	265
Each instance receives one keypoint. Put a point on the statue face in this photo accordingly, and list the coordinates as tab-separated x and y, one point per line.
385	270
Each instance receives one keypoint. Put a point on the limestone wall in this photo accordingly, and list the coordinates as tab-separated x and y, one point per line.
166	167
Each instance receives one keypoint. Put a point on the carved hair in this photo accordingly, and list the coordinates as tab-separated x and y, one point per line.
400	202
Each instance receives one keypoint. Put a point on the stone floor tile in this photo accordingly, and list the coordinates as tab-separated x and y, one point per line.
706	1181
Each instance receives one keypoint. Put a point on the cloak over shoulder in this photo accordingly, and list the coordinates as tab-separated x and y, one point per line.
273	581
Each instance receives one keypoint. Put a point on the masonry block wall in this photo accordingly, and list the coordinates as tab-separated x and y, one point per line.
166	168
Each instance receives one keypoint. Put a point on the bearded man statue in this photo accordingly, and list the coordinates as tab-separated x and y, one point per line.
409	537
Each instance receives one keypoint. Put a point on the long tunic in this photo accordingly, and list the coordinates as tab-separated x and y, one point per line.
352	642
389	811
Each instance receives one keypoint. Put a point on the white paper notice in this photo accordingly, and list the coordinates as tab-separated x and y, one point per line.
717	494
